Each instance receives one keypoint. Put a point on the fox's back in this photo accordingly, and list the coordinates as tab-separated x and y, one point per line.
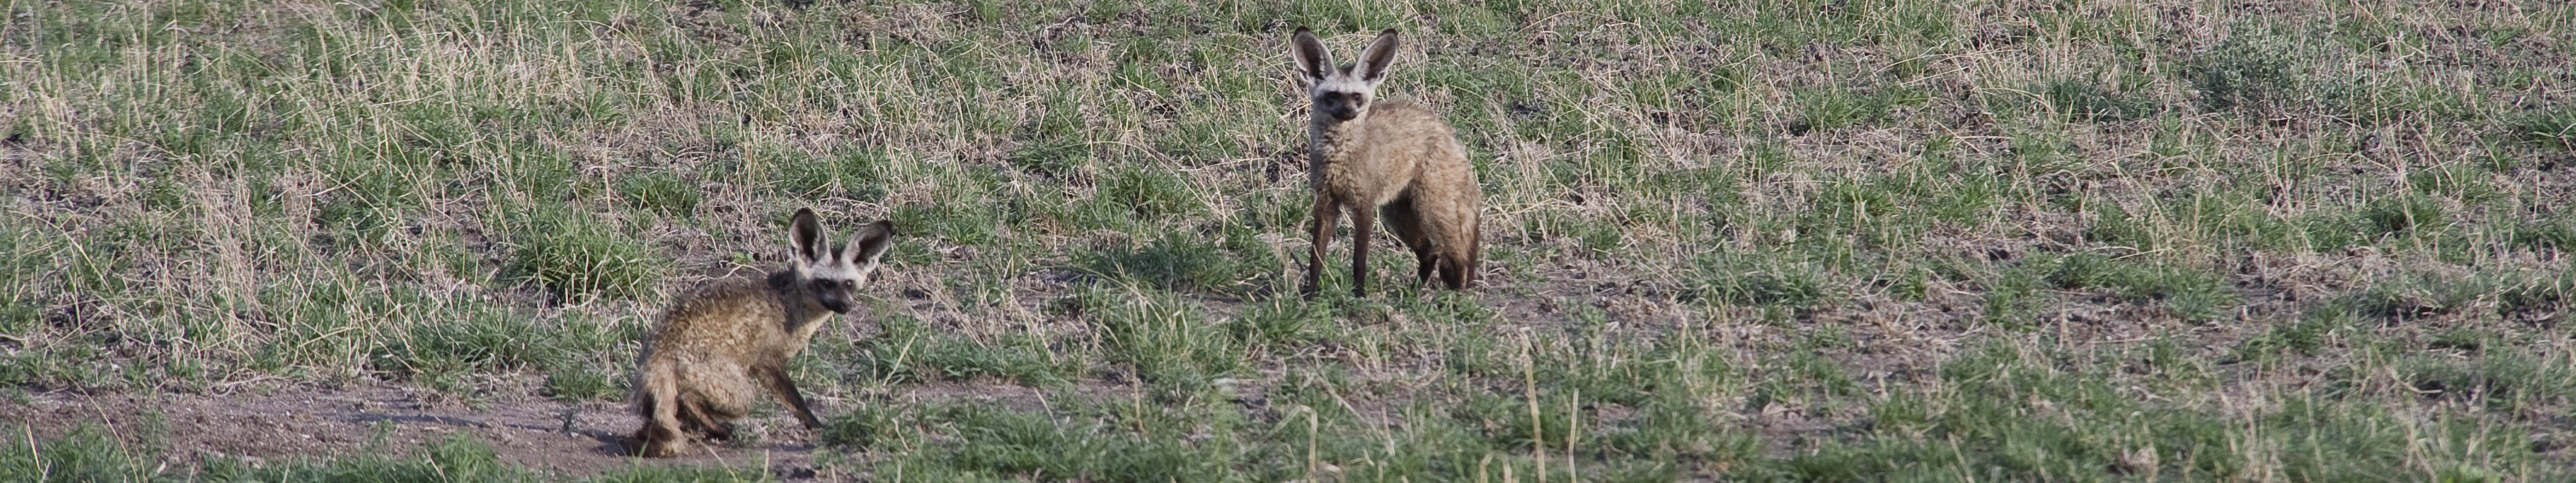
1408	134
1413	133
725	318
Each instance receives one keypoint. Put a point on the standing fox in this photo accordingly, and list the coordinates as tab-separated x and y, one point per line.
1384	157
720	345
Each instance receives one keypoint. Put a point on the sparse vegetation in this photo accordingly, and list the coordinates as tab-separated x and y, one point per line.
1804	241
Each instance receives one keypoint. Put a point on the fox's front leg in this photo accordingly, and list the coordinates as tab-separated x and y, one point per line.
1327	213
774	375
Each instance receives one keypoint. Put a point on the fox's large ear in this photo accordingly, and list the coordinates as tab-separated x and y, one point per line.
869	244
1373	61
805	239
1312	60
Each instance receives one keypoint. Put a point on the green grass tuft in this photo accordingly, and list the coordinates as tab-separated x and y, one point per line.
580	256
660	191
2548	128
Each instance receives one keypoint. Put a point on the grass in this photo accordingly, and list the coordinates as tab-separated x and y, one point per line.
1808	241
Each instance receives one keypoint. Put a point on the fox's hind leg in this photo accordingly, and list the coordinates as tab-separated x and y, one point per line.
1403	219
661	436
694	418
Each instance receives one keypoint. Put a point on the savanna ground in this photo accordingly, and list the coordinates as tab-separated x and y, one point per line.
1804	240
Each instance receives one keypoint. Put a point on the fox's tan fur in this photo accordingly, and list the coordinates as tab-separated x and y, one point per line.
1387	158
718	347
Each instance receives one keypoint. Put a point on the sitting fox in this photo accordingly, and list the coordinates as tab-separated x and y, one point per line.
717	347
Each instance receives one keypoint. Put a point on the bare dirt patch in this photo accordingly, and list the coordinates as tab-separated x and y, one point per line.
385	419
